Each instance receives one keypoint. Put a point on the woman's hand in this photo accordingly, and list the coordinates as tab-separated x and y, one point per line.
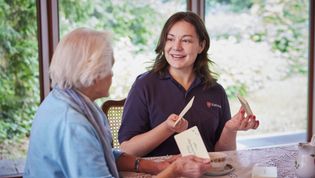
240	122
190	166
180	126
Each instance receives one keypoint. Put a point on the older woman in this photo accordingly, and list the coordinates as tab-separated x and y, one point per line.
70	136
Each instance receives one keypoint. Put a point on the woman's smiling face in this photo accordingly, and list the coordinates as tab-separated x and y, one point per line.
182	46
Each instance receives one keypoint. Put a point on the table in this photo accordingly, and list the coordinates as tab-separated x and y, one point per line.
282	157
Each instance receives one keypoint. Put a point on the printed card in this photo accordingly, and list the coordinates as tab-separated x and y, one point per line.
190	142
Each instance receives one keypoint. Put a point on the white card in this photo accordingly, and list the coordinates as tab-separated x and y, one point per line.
190	142
245	105
264	172
187	107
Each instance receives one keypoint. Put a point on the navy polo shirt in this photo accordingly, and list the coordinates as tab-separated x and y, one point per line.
153	98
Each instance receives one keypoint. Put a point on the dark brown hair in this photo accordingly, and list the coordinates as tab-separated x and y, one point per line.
201	65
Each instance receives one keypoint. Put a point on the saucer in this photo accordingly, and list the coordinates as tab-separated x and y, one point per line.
227	169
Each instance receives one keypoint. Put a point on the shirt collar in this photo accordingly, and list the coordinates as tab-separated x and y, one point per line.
168	76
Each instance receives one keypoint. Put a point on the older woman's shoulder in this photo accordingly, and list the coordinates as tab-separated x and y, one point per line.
60	106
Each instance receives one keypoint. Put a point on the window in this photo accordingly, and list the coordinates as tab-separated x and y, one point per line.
19	91
260	49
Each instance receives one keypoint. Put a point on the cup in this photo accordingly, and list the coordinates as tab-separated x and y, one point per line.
218	160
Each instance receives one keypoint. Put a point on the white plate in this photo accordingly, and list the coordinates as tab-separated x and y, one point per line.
227	169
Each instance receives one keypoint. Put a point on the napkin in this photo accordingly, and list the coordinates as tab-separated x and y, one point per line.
264	172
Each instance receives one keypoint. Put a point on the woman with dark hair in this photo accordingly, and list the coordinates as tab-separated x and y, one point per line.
180	72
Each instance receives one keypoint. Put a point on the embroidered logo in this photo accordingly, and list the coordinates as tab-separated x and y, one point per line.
209	105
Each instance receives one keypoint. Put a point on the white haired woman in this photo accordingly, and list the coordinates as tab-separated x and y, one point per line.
70	136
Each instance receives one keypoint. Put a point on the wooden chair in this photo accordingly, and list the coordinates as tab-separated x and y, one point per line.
113	110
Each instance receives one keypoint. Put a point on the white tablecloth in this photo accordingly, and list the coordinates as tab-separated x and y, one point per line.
282	157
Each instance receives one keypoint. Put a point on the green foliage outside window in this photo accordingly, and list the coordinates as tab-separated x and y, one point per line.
123	18
287	30
19	91
234	5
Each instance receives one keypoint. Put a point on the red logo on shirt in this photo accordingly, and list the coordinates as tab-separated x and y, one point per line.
209	105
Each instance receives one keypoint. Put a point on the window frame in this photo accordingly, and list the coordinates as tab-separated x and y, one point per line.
48	38
311	88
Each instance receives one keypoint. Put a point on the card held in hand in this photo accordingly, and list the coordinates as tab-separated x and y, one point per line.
190	142
245	105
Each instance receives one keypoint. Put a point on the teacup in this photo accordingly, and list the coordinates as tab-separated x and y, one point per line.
218	160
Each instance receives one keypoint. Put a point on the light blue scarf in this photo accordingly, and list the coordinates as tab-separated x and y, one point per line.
97	118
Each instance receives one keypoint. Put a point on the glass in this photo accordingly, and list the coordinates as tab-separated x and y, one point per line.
260	51
136	26
19	91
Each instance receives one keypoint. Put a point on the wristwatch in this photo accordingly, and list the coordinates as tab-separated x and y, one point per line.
137	164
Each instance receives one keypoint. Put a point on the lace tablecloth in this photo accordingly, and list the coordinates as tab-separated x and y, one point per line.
282	157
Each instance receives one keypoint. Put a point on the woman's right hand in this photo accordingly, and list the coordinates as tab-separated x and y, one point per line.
191	166
180	126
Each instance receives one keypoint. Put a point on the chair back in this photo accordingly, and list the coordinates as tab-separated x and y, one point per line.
113	110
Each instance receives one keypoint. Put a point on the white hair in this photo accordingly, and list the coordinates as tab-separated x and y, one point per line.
81	57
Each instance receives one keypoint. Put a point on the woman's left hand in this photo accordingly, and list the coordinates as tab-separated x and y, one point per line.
240	122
